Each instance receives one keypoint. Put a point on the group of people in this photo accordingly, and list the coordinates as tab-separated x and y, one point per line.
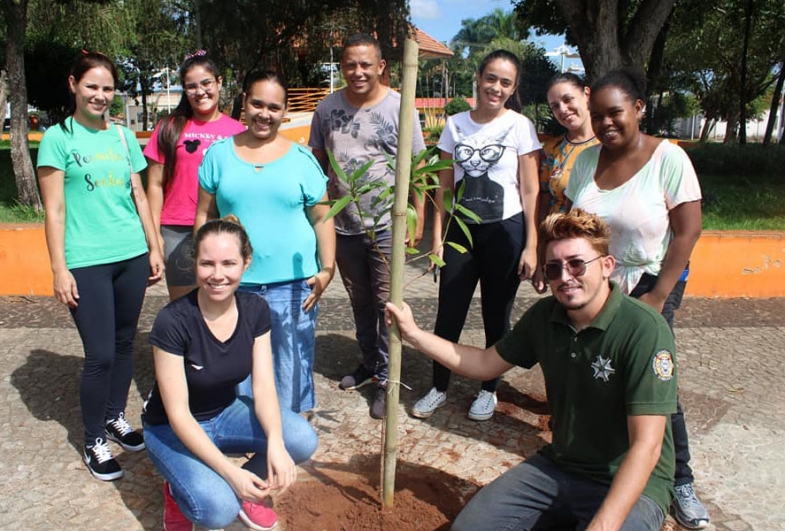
235	217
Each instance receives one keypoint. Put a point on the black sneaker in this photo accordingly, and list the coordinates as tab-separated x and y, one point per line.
119	431
360	378
100	461
379	403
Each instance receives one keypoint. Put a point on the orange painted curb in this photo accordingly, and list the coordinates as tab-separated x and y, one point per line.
738	264
298	134
24	261
724	263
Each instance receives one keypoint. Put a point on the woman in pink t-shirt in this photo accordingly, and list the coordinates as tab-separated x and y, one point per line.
175	151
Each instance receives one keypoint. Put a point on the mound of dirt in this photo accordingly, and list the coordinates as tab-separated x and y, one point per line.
348	498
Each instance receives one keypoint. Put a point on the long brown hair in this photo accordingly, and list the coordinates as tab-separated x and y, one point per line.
171	127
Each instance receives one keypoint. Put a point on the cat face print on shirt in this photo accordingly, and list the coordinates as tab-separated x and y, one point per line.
477	155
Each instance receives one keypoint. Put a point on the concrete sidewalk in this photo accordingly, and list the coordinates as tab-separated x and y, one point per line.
732	386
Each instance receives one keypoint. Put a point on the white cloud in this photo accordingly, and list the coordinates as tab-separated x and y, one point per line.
424	9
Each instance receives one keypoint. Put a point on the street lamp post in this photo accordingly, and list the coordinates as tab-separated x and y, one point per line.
166	70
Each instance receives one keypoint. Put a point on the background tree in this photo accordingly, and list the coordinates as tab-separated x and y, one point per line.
705	53
609	34
154	48
15	14
246	34
775	105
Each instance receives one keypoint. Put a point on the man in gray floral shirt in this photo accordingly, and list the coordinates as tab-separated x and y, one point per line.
359	124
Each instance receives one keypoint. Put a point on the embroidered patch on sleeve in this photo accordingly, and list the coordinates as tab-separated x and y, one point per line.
663	365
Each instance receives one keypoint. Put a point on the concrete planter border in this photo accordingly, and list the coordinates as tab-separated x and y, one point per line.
724	264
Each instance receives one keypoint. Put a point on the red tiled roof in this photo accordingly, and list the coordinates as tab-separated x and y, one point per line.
430	48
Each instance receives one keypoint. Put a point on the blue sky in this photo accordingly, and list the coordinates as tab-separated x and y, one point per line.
441	19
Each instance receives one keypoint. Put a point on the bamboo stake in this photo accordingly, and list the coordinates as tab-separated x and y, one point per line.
402	171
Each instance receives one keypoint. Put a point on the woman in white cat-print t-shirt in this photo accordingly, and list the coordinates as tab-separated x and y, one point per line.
495	154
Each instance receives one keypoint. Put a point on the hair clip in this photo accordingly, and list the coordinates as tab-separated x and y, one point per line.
197	53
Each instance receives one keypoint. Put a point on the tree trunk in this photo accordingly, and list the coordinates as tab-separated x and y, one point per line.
16	21
144	107
198	24
3	91
731	131
708	125
656	60
775	105
604	41
743	92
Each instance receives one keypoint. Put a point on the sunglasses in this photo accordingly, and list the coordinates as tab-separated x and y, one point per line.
575	267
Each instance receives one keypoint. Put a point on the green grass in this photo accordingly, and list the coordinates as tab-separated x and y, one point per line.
11	211
737	202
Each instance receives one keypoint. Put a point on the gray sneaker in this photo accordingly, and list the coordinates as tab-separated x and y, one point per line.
359	378
379	404
483	406
425	406
688	509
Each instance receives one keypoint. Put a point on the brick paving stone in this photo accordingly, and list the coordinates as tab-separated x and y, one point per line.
731	378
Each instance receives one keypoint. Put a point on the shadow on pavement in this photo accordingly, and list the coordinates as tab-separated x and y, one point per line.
48	384
517	427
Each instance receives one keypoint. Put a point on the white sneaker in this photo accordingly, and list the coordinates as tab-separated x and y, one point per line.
425	406
483	406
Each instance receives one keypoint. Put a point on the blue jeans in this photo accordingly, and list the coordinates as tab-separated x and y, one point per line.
293	338
203	496
365	271
538	494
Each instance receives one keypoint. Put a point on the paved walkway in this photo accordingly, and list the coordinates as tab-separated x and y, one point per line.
732	385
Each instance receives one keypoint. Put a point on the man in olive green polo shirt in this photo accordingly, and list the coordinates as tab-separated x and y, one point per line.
610	377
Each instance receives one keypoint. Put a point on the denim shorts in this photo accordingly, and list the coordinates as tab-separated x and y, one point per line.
293	338
178	255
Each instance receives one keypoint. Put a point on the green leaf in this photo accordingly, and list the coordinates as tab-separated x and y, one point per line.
457	246
441	164
336	167
390	161
337	207
411	221
412	250
459	191
464	229
449	200
359	172
468	213
435	259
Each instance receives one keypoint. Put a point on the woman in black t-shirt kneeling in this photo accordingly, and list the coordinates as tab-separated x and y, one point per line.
204	344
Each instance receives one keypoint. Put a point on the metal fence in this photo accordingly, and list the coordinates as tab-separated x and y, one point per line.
305	99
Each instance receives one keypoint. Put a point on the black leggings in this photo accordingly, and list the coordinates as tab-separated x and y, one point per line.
681	443
493	261
110	300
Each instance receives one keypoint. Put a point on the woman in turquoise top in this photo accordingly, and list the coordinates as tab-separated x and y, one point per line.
277	189
103	250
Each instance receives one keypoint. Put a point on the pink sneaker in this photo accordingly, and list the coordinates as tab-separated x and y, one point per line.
174	519
257	516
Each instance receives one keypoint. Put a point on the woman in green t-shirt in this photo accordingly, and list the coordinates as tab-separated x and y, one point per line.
103	250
